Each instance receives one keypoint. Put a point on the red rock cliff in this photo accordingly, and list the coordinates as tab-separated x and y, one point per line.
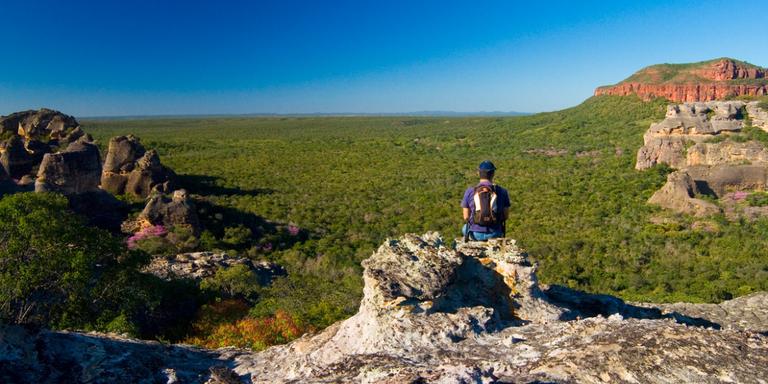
706	81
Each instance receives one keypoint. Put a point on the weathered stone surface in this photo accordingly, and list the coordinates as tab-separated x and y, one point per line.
719	179
552	334
678	195
42	124
15	159
130	169
199	265
73	171
178	209
759	116
665	142
727	153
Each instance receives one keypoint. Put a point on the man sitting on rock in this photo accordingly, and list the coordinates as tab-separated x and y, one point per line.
485	207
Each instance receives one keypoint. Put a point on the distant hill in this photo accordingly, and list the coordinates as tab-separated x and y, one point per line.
703	81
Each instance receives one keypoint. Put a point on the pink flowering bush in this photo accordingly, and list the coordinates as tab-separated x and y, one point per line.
293	230
150	239
739	195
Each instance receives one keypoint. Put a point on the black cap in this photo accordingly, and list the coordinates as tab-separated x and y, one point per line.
486	166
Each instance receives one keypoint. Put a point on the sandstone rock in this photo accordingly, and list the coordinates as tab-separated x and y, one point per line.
179	209
199	265
759	116
455	335
130	169
15	159
42	124
412	340
73	171
665	142
727	153
678	195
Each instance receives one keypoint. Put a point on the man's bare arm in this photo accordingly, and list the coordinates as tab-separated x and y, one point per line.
465	213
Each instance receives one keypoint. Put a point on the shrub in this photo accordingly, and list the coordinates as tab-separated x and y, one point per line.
56	271
237	281
757	199
254	333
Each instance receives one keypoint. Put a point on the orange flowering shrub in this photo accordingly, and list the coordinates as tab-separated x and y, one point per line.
245	332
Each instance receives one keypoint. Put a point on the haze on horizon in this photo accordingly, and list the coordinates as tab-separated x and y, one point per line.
146	57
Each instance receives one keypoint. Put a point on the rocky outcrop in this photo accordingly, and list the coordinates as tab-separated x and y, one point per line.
130	169
691	140
178	209
199	265
44	124
73	171
684	125
706	81
461	331
679	194
435	313
30	135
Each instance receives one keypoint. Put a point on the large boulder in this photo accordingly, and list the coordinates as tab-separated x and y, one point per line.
75	170
43	124
130	169
678	194
176	210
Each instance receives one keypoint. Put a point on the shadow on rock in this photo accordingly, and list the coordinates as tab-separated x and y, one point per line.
581	305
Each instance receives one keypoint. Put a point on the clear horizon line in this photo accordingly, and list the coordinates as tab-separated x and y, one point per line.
316	114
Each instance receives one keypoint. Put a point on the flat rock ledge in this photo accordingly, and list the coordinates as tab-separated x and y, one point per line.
438	313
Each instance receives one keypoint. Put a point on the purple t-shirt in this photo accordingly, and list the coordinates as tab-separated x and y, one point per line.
502	201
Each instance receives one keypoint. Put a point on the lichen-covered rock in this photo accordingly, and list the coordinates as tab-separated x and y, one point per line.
413	267
176	210
73	171
199	265
130	169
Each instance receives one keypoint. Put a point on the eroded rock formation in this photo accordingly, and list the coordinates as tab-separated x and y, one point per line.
435	313
178	209
694	139
130	169
29	136
706	81
73	171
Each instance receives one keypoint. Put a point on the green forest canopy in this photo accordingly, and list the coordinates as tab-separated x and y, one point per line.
578	205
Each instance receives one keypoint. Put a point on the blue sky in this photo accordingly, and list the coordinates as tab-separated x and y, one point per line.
143	57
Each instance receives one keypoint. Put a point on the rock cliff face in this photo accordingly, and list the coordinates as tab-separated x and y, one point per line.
434	313
694	139
705	81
